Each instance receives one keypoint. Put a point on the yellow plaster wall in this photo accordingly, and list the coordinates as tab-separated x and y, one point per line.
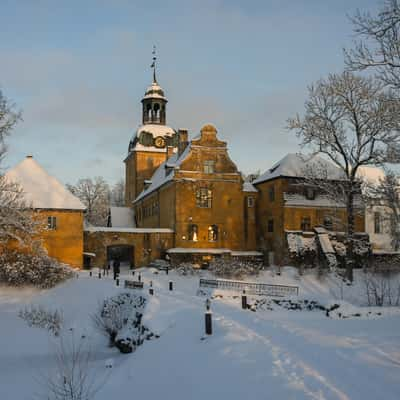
66	242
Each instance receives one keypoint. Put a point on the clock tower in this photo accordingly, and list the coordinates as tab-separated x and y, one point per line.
148	146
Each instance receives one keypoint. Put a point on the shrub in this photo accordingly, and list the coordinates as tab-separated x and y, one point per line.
120	319
18	269
38	316
234	268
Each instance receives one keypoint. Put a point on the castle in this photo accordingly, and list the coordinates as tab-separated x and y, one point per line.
186	200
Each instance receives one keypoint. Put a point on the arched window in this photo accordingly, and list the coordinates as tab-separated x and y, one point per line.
193	232
148	112
212	233
156	113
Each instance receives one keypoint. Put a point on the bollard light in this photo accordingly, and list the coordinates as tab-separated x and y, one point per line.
208	322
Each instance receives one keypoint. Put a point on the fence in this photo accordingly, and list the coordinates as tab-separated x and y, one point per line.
250	287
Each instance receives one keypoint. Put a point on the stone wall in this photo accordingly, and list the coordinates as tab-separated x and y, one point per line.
148	245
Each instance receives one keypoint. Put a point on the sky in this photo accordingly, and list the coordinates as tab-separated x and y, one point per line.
78	70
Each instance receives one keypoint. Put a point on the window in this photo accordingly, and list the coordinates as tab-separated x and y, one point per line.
52	223
204	198
272	193
305	224
328	224
193	232
209	166
250	202
377	223
310	193
270	225
212	233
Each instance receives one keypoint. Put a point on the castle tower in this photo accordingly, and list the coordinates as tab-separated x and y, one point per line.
148	147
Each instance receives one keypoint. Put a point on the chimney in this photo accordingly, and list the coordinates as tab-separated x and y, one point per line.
170	151
183	140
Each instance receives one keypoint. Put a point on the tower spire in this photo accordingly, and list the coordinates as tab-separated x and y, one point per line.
153	64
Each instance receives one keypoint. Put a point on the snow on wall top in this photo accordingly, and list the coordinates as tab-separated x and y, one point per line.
40	189
128	230
295	165
122	217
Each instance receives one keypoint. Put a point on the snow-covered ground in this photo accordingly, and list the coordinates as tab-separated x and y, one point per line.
265	354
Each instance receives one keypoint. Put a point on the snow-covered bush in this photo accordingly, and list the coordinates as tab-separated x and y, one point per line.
38	316
120	319
234	268
18	269
187	269
302	250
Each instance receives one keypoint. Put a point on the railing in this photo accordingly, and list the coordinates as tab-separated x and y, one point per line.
250	287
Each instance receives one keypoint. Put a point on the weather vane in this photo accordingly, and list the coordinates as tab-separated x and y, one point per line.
153	64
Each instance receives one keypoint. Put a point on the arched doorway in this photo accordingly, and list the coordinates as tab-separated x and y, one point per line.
124	253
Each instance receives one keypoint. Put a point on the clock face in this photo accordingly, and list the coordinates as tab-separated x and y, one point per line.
159	142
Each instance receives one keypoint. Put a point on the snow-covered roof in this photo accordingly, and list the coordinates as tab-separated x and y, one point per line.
40	189
154	91
300	200
122	217
128	230
248	187
370	174
156	130
295	165
165	172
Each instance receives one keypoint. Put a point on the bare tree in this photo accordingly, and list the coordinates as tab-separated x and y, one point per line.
9	117
387	194
352	121
95	194
118	194
379	46
16	217
73	377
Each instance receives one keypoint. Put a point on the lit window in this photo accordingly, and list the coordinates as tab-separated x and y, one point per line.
204	198
193	232
52	223
212	233
250	202
270	225
305	224
377	223
209	166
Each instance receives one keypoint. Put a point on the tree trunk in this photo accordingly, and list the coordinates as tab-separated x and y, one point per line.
350	236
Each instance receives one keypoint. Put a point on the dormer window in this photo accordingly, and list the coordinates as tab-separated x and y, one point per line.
310	193
209	166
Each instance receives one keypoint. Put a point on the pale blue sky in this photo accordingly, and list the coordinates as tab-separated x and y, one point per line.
78	70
